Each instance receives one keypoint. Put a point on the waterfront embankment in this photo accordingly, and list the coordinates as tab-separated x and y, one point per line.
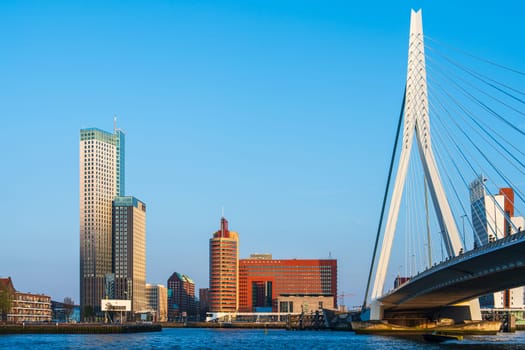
240	325
78	328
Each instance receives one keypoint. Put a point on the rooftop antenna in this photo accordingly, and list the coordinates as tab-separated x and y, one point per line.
222	221
115	123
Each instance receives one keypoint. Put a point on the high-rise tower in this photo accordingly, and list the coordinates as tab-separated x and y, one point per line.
224	270
492	219
101	180
129	251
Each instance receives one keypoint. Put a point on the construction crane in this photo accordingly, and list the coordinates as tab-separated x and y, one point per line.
342	298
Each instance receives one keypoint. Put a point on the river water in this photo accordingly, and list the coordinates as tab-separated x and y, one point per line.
228	339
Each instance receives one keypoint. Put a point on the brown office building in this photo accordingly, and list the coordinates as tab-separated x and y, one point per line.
262	280
224	270
204	305
181	297
129	252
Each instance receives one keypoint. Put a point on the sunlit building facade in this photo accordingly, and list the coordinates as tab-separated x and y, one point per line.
28	307
224	270
157	297
129	251
101	180
263	280
25	307
493	218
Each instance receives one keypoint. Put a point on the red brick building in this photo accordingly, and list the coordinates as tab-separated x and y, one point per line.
263	280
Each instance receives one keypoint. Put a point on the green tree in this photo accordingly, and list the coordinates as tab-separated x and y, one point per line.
88	313
6	301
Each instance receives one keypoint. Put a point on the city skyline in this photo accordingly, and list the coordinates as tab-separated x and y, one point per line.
262	109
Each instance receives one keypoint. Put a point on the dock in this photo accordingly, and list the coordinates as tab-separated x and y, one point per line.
78	328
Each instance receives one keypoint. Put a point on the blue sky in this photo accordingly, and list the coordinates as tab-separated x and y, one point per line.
282	112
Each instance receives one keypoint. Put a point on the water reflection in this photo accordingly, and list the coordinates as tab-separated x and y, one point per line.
250	339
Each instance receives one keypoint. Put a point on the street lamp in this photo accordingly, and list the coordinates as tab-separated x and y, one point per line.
463	222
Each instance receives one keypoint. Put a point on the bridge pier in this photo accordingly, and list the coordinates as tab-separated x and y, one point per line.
374	313
459	313
463	318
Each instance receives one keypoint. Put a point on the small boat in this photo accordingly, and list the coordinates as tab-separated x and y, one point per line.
439	337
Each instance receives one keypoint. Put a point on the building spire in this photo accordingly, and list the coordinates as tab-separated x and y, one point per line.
224	227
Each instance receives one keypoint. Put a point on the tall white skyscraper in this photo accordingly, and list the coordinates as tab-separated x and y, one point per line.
493	218
101	180
488	218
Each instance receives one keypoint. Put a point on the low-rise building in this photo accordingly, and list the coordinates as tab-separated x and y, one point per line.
63	312
157	297
28	307
303	303
24	307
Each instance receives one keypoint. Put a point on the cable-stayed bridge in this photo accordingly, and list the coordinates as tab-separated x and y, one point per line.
460	160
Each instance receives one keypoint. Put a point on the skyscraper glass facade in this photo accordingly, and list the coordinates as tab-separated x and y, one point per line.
101	180
129	251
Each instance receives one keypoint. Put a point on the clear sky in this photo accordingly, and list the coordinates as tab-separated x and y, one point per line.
282	112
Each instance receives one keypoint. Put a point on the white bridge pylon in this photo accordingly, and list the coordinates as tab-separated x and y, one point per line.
416	124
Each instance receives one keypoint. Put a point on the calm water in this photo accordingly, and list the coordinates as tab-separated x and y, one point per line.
249	339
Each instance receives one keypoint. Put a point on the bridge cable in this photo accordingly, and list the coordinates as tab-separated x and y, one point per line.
487	108
488	161
464	157
495	168
483	127
460	173
492	228
418	246
469	114
440	68
474	56
413	244
477	88
483	78
385	197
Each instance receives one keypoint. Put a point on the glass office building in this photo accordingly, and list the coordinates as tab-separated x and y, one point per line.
101	180
129	251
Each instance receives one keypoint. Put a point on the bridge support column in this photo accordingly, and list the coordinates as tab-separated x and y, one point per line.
374	313
475	310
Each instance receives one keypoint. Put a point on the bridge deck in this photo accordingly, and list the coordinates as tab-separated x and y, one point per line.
493	267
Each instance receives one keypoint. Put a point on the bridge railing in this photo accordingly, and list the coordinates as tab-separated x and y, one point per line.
464	256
